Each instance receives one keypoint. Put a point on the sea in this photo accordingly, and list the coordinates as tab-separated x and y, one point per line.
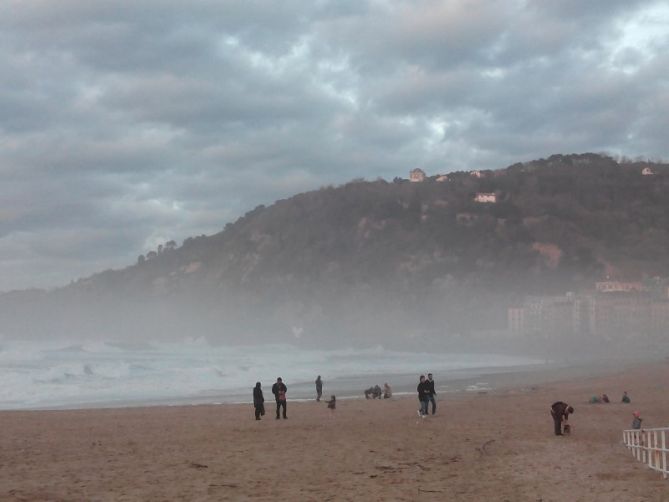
61	375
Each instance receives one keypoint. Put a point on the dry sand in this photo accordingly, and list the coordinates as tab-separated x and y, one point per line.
494	446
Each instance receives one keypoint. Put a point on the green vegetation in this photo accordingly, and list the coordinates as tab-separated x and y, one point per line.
383	259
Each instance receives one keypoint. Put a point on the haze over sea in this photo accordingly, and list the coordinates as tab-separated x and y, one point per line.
61	375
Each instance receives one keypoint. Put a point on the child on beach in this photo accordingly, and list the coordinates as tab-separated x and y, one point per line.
332	403
636	423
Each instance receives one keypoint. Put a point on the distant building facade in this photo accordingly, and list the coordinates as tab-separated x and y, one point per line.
516	320
486	197
615	311
618	287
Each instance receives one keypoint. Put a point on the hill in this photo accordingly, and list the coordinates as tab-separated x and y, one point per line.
378	261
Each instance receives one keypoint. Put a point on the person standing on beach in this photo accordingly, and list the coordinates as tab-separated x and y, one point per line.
319	388
433	393
423	396
387	391
258	401
279	390
560	411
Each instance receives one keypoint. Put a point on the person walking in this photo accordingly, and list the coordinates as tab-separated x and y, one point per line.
560	411
433	393
258	401
319	388
279	390
423	396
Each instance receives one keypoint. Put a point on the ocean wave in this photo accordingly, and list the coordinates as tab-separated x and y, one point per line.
57	374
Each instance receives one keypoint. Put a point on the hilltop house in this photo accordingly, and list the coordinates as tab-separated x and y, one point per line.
416	175
618	287
486	197
441	178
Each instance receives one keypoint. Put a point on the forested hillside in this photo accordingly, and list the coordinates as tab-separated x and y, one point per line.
379	260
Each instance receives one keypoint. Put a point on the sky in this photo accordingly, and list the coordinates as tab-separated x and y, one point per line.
128	123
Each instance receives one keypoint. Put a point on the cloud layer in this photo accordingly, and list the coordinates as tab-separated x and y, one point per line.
124	124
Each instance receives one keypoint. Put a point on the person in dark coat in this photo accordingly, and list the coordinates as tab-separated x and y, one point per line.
279	390
319	388
433	393
423	395
373	392
258	401
560	411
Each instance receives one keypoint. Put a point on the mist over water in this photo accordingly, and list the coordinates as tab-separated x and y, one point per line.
61	375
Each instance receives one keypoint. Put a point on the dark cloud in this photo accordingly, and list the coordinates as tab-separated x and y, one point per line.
124	124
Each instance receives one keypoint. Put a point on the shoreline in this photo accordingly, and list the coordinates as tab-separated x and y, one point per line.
495	445
455	382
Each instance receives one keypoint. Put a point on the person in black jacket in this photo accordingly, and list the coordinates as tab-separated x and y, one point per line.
319	388
423	396
559	411
279	390
258	401
431	399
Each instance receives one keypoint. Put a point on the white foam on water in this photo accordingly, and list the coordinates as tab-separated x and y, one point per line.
57	374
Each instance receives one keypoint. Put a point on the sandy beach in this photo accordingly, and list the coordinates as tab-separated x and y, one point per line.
497	445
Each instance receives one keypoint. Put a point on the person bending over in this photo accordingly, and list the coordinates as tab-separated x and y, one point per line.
560	411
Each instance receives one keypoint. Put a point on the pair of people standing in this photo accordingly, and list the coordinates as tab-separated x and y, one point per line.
279	390
426	395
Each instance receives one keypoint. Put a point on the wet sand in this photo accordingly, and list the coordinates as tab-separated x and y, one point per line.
497	445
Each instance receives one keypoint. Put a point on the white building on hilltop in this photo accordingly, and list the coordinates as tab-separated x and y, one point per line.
416	175
486	197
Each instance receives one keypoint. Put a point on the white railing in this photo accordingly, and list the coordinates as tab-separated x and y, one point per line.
649	446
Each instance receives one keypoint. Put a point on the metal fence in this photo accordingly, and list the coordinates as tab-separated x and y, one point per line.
649	446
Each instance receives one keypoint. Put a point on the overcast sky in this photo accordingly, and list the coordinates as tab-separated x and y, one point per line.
127	123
